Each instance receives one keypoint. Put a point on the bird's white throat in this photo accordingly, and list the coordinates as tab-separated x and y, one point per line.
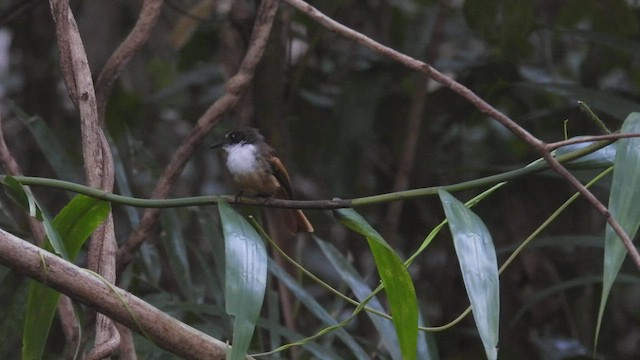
241	159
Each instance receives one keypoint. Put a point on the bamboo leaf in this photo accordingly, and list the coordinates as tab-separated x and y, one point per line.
623	206
598	159
245	277
25	199
479	266
395	278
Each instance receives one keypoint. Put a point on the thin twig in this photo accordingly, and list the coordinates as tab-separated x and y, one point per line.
584	139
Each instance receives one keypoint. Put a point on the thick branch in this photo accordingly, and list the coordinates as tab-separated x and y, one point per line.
98	164
129	310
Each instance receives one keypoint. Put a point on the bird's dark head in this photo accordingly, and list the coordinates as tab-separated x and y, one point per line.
238	137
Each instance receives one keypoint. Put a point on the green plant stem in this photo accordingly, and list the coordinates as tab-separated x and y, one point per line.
536	167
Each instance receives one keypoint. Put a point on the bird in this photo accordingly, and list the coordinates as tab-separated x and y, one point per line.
257	170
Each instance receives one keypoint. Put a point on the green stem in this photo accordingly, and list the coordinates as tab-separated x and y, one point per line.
535	167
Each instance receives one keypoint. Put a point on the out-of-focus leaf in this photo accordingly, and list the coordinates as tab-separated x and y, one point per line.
317	309
479	266
211	227
174	244
51	146
151	260
615	42
360	288
480	16
398	285
12	321
122	179
505	23
197	76
599	100
560	348
598	159
565	285
246	277
75	223
623	206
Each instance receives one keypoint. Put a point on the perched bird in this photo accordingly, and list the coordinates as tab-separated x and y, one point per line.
257	170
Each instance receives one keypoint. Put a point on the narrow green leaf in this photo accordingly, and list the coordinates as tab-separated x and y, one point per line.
17	193
623	205
398	285
75	223
479	266
23	197
78	220
245	277
598	159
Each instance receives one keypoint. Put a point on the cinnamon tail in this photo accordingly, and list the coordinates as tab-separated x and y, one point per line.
302	222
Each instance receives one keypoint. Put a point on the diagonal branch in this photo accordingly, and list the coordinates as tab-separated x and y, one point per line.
478	102
234	88
124	307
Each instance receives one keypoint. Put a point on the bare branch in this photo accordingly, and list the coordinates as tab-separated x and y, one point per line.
234	89
129	310
120	58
